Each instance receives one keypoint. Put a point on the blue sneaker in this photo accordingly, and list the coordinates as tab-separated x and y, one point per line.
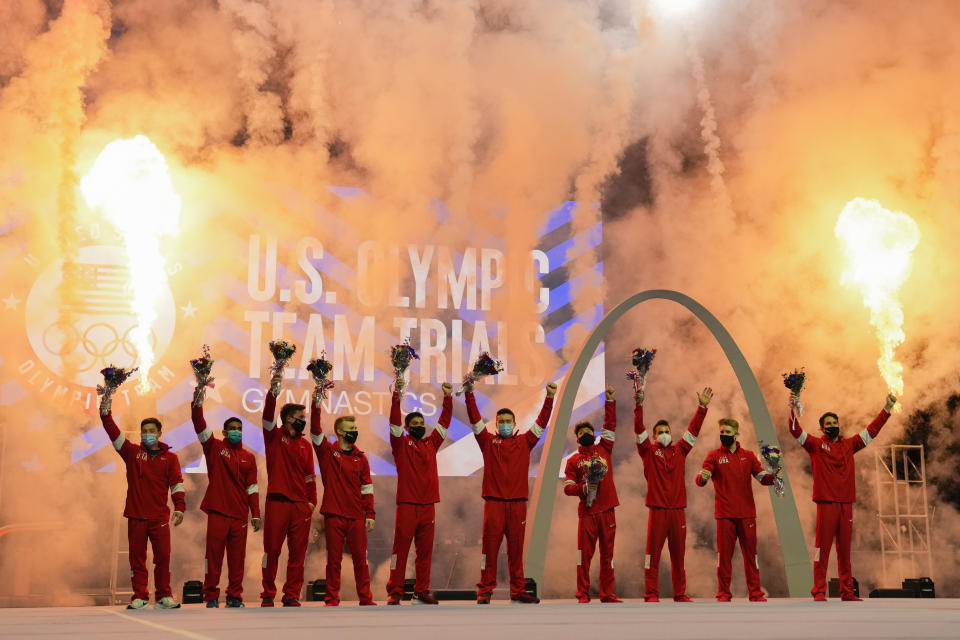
234	603
213	604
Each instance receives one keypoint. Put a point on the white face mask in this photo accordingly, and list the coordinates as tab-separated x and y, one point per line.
665	439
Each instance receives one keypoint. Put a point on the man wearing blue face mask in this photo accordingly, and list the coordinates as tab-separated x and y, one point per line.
152	470
506	465
232	492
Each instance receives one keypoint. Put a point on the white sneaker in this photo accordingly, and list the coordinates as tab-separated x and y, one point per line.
137	603
166	602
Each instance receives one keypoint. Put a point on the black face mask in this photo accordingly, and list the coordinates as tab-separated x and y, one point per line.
417	432
299	425
727	441
832	432
586	439
350	436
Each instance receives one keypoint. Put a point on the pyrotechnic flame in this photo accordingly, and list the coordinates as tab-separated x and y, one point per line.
878	244
129	182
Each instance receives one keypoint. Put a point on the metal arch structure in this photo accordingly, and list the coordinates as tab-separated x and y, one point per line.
793	546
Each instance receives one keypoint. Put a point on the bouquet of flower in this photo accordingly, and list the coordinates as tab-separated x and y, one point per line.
320	368
484	366
642	359
596	471
401	355
774	458
201	370
113	377
795	381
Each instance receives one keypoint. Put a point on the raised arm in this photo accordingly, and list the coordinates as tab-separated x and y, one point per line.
270	427
316	429
476	420
609	433
803	438
446	415
120	443
366	495
204	433
536	431
866	436
693	429
706	472
396	418
643	436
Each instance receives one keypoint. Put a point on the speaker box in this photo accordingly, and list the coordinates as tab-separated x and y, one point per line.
833	588
316	590
891	593
531	587
192	592
921	587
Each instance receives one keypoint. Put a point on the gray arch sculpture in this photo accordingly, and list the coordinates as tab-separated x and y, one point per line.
796	559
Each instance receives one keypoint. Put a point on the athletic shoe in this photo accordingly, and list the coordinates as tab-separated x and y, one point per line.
213	604
267	602
683	598
819	598
424	597
758	599
483	599
234	603
851	599
651	599
393	599
611	599
166	602
331	603
583	600
367	603
291	603
137	603
525	598
724	599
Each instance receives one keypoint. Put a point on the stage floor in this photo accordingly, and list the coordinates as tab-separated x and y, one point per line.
553	620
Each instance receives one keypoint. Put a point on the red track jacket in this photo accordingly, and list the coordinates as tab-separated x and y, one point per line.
663	467
289	460
231	473
834	479
575	483
731	481
416	460
148	477
506	461
347	486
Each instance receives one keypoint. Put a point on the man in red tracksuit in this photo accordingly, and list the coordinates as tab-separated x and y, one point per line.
232	492
663	467
347	502
730	467
152	470
596	520
506	466
418	490
834	491
291	496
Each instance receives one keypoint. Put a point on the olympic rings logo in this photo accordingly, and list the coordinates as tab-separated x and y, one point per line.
99	343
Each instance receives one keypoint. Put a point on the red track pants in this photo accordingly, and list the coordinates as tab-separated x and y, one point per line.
729	530
668	525
290	520
502	517
834	520
602	526
230	534
158	532
353	531
415	522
